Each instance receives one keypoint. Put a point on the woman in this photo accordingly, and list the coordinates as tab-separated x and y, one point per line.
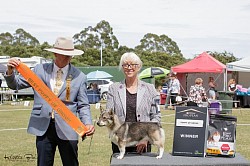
212	85
232	88
174	88
132	99
197	93
232	85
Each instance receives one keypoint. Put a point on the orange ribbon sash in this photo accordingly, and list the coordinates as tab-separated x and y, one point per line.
52	99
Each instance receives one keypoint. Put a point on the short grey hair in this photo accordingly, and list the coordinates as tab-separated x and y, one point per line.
130	56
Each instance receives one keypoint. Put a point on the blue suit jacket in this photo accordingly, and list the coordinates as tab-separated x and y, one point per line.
146	105
41	112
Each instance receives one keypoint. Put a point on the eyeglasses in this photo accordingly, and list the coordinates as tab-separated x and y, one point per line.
126	66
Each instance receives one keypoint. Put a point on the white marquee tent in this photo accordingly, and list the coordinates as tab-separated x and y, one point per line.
242	65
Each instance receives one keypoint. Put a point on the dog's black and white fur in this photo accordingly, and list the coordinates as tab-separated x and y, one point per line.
131	133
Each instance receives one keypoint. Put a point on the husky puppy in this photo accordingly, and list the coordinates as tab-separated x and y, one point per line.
131	133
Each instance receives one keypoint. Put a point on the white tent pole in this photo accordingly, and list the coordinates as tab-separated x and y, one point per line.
225	80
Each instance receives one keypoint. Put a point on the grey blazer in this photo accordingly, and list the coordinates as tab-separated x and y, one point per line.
146	105
41	112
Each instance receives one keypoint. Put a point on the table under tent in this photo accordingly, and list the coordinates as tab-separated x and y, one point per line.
242	69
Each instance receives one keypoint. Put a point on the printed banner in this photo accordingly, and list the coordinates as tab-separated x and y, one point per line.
190	132
52	99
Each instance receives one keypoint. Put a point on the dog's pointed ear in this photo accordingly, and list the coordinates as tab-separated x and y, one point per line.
101	109
111	111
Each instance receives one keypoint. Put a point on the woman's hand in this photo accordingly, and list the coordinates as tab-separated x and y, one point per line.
141	146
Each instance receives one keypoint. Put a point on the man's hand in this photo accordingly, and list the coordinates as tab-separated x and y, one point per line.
91	130
141	146
12	63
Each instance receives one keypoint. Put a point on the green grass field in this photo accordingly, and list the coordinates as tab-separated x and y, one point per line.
18	148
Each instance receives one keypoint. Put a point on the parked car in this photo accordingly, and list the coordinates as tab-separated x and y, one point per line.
103	85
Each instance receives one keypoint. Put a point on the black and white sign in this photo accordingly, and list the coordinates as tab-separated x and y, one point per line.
190	132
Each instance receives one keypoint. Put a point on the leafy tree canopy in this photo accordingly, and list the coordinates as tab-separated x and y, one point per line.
224	57
100	40
95	37
154	43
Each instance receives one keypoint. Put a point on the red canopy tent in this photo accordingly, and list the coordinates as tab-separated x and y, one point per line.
198	67
204	63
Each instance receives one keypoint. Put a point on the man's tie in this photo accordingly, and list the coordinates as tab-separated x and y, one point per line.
57	87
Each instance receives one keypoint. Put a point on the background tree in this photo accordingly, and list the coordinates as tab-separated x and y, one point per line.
160	59
107	37
21	44
224	57
102	39
86	38
23	38
91	57
154	50
94	37
154	43
6	39
39	51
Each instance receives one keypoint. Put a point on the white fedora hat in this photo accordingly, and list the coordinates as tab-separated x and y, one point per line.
65	46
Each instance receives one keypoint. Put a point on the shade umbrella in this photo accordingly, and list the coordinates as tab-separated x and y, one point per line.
98	75
153	72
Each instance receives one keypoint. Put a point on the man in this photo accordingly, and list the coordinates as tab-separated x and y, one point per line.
50	129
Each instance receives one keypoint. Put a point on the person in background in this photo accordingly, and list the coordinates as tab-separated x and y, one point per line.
174	89
50	129
159	91
133	100
197	93
167	84
232	88
212	91
232	85
1	100
97	92
90	87
95	86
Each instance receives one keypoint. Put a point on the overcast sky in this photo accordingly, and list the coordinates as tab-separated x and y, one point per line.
195	25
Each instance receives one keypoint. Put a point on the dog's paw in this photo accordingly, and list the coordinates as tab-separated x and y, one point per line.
119	157
159	157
